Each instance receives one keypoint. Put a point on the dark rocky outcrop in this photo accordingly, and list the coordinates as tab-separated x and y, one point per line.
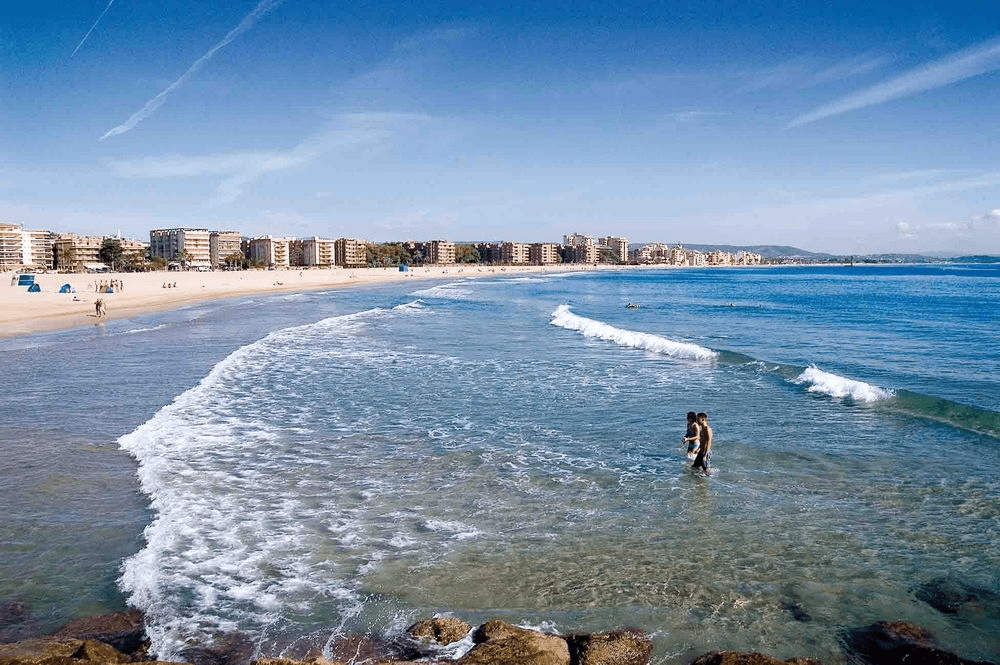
896	642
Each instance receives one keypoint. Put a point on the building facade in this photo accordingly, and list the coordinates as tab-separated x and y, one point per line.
315	251
224	245
190	248
271	252
617	245
350	252
543	253
21	248
441	252
514	253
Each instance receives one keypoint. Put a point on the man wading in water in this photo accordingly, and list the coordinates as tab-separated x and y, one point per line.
704	458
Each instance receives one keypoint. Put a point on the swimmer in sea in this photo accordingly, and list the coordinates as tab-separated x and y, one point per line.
704	458
692	435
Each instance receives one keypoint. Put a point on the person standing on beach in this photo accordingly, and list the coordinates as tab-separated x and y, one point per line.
692	436
704	458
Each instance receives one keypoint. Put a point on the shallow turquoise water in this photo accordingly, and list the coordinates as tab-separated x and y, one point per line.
510	446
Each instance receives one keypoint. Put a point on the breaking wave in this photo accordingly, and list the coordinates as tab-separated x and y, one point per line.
840	387
564	318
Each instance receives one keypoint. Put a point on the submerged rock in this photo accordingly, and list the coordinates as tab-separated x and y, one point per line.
896	642
952	596
751	658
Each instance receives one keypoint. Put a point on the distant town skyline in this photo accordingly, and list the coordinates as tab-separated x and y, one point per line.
841	128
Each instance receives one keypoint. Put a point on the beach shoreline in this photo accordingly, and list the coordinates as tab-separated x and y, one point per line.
25	313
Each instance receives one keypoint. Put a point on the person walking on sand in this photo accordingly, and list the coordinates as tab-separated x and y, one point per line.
704	458
693	432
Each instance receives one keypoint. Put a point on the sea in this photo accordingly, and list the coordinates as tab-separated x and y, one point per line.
300	467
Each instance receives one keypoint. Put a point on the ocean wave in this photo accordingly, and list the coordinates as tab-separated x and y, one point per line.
413	306
564	318
451	291
840	387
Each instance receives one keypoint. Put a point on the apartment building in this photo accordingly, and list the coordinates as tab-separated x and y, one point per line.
314	251
224	244
350	252
617	245
189	247
21	248
514	253
77	253
543	253
583	253
578	239
269	251
441	252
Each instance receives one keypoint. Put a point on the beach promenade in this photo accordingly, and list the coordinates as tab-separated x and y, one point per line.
24	313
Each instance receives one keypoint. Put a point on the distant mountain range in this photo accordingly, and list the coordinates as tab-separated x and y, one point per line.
788	252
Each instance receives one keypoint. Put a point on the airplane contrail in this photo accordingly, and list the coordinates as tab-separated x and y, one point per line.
263	7
92	28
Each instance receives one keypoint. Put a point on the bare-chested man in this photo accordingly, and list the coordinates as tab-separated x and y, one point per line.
704	458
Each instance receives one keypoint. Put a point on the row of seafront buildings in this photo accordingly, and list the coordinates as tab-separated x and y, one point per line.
202	249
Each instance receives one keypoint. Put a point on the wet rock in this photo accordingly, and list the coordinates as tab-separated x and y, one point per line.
125	631
896	642
229	649
60	651
740	658
500	643
442	630
619	647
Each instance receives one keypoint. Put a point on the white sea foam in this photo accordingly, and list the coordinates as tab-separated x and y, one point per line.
839	386
232	528
452	291
564	318
414	306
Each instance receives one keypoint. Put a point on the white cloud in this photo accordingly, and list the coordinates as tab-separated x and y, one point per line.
239	170
959	66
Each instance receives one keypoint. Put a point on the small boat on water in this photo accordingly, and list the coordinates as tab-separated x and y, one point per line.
632	305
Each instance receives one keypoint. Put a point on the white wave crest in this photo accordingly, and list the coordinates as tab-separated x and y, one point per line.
445	291
840	387
413	306
564	318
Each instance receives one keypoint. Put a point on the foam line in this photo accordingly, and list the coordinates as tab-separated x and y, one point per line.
564	318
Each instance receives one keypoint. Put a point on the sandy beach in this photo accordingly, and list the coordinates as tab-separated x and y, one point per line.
24	313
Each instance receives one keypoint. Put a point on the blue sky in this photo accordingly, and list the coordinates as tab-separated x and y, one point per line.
843	127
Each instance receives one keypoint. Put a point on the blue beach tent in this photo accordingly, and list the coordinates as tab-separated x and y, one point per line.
26	279
66	288
34	288
403	267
